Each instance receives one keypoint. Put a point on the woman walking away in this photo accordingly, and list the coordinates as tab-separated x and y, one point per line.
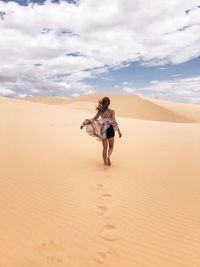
104	128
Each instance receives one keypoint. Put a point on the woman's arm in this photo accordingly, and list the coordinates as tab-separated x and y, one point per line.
95	118
97	115
113	117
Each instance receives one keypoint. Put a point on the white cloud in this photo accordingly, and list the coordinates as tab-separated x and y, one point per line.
54	47
181	90
89	92
176	75
22	95
154	82
35	91
7	92
75	94
129	90
163	68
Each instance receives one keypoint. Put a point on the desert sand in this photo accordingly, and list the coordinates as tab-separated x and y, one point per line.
61	207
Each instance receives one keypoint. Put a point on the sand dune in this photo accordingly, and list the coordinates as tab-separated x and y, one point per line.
51	100
61	207
82	105
126	106
190	110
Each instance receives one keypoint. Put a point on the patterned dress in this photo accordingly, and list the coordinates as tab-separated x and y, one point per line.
98	128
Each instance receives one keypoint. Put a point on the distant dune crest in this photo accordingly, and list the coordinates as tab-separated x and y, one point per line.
131	106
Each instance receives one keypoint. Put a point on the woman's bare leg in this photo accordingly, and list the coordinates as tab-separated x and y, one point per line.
105	148
110	150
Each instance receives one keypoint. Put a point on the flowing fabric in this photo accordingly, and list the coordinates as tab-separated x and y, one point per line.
98	128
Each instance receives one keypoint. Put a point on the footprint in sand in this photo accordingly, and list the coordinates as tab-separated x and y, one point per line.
109	232
53	253
101	210
100	186
106	195
100	257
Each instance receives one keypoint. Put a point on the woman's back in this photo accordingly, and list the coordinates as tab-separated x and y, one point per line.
106	114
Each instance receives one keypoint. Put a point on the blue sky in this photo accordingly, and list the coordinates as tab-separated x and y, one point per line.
71	48
139	76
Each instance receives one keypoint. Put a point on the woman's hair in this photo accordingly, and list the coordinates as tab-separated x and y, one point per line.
103	104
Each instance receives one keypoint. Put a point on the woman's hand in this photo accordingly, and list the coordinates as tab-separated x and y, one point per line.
86	122
120	134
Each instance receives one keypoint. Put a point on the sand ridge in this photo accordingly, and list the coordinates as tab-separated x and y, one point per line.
51	100
184	109
127	106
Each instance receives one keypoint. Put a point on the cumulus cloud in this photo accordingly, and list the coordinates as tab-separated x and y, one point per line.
75	94
125	83
7	92
53	47
180	90
129	89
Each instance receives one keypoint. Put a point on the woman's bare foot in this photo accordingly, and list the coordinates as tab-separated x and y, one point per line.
108	161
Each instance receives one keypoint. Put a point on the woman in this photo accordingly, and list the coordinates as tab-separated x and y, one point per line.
108	122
